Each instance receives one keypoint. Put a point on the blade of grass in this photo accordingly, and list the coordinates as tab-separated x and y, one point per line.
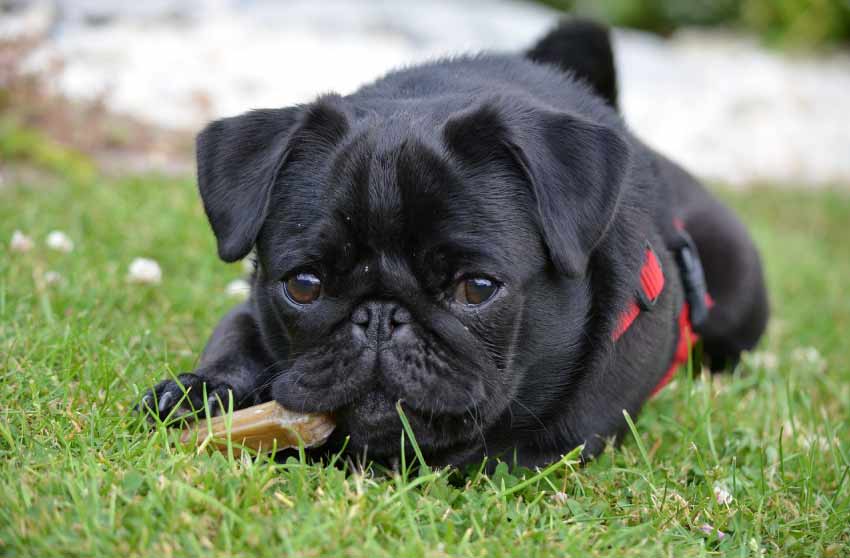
570	458
406	425
639	443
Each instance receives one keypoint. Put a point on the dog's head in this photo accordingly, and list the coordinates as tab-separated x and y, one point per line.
434	256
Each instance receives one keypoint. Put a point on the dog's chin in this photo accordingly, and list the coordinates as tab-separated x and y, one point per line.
371	426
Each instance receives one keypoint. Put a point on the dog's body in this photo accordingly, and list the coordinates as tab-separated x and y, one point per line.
463	236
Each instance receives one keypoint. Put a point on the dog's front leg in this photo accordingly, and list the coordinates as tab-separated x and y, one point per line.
234	363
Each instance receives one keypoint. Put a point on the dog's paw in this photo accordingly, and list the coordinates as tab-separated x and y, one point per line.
185	397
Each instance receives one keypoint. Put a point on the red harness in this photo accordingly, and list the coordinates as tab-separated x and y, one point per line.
651	285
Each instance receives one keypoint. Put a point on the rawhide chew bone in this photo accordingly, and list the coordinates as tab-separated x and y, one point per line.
261	428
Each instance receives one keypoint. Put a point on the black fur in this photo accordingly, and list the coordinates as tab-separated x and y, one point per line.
492	166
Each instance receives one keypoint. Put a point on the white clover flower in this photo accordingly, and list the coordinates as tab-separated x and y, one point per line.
809	356
560	498
764	359
722	495
144	271
818	441
238	288
755	547
680	501
59	241
711	530
20	242
52	278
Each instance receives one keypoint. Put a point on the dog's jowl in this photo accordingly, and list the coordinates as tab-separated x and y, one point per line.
481	238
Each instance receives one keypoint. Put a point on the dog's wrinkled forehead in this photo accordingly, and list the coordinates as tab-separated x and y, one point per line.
499	177
389	189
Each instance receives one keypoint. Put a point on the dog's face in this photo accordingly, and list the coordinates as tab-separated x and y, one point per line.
409	259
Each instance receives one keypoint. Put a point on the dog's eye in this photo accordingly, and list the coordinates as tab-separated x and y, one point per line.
303	287
473	291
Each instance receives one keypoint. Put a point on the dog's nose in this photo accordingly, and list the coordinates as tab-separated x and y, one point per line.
380	318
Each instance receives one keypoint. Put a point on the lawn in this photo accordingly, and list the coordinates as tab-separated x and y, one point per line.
754	463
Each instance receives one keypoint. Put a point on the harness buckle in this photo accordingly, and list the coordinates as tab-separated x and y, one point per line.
693	278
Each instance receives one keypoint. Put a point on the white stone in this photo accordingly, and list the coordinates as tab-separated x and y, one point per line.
144	271
59	241
20	242
26	20
724	106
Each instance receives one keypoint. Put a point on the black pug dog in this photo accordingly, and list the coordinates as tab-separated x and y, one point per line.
481	238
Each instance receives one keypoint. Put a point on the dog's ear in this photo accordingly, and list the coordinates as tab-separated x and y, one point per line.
582	48
239	160
576	170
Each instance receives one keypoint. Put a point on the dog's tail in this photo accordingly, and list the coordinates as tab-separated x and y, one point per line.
582	48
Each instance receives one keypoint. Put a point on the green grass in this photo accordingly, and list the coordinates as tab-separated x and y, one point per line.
31	146
794	24
80	477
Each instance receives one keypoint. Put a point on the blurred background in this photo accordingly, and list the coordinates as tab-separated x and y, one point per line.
739	92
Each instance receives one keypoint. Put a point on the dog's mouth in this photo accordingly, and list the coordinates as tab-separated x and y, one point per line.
441	392
372	427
